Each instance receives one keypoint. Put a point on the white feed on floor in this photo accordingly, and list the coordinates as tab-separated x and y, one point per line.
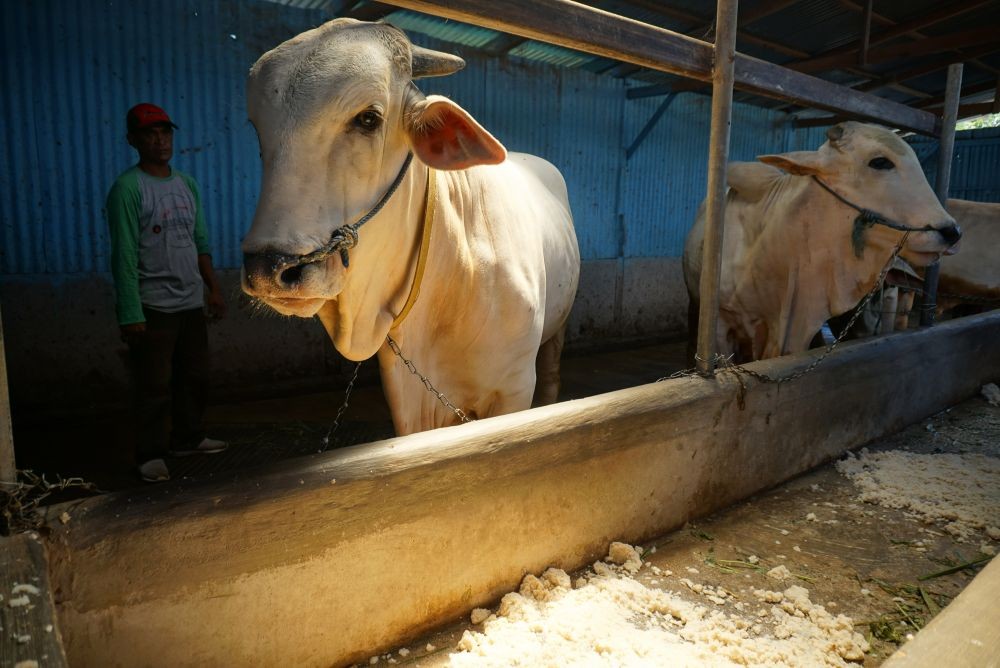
608	618
959	491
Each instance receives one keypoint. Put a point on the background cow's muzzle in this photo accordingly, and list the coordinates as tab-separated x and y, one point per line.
951	234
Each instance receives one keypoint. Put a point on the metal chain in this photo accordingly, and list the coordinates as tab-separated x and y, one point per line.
340	412
858	311
427	383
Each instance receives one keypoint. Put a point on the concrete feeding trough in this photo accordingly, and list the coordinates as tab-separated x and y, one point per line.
329	559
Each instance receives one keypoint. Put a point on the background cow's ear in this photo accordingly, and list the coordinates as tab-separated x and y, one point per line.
803	163
445	136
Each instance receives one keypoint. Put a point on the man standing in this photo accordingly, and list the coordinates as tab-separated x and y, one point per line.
161	263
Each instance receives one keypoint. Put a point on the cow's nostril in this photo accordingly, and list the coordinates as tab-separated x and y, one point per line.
291	276
951	234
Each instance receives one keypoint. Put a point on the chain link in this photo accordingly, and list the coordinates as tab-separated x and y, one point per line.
332	431
427	383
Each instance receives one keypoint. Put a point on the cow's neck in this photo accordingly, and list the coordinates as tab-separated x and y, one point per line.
381	271
820	277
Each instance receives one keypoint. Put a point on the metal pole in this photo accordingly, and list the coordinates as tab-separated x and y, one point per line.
946	152
718	159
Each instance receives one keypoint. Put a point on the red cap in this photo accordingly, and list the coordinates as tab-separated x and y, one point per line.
146	115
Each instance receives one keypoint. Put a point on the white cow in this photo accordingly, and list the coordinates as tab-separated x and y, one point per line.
969	281
972	277
337	115
793	253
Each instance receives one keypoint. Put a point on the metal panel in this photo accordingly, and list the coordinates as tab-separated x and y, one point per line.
975	168
665	179
70	72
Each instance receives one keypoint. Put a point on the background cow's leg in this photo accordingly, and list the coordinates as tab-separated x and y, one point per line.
692	333
547	369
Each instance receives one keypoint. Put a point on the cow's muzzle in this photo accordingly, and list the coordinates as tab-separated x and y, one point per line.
951	234
270	272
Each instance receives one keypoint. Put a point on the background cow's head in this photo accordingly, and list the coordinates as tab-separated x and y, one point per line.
873	168
336	112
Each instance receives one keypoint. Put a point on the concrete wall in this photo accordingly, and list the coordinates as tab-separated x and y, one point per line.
65	356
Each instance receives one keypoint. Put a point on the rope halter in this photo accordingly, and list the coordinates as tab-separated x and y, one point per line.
345	238
866	219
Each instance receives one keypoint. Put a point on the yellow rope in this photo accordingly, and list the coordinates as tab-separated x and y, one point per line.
424	246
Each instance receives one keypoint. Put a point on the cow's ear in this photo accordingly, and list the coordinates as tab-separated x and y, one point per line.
803	163
445	136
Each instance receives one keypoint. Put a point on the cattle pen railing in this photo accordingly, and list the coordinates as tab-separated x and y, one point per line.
594	31
329	559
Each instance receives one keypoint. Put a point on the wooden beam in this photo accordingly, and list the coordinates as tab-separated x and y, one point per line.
31	635
866	31
927	46
502	44
593	31
715	198
8	467
941	62
898	30
972	89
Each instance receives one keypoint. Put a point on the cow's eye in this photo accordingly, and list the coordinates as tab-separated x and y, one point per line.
881	163
368	120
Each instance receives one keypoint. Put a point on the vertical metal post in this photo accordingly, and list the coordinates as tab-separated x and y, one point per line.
718	160
866	34
946	152
8	470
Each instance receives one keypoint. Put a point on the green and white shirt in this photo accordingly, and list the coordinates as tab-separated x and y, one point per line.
157	232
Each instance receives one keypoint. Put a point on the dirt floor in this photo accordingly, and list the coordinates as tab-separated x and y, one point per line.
96	448
873	564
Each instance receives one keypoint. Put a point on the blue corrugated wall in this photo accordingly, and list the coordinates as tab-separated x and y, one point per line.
70	72
71	69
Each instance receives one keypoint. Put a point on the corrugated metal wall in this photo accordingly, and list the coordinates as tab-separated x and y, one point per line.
975	170
70	70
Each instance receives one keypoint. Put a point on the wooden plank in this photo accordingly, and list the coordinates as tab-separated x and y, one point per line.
8	467
923	47
817	62
27	613
715	198
366	547
600	33
964	635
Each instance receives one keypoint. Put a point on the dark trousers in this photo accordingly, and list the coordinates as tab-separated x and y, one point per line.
170	375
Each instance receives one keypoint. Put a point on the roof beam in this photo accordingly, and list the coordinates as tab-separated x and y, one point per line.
965	110
575	26
926	46
941	62
845	55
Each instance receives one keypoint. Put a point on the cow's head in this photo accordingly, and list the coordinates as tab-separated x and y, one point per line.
336	113
871	167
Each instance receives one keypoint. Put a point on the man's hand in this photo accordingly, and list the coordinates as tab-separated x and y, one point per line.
216	304
133	331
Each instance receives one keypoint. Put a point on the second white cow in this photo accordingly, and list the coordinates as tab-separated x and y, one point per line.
467	257
794	251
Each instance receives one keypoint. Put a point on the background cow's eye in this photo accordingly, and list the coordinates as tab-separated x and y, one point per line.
368	120
881	163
